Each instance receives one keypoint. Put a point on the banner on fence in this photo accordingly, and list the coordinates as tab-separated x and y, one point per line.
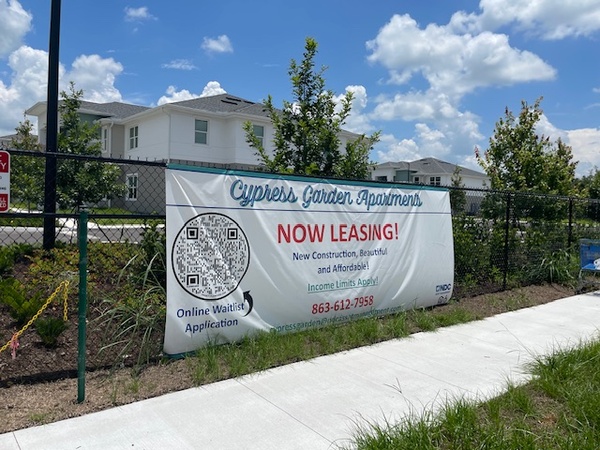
249	252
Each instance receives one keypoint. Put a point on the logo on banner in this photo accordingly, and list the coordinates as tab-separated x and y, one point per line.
210	257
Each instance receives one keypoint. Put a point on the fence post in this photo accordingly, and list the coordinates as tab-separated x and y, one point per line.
570	241
49	238
82	307
506	233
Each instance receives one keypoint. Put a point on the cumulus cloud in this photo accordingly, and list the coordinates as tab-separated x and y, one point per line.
15	23
29	81
179	64
173	95
138	14
548	19
222	44
28	85
453	63
585	143
212	88
96	76
358	121
454	60
391	149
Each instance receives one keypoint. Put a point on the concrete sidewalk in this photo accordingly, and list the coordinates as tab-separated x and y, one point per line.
317	404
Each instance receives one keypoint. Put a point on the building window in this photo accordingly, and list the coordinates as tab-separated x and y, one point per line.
435	181
133	137
259	132
416	179
381	178
104	140
201	131
132	186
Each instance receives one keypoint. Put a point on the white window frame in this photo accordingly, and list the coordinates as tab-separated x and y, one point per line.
105	135
132	188
435	181
134	134
198	133
261	136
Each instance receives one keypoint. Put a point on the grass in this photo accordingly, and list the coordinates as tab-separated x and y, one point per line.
270	349
558	409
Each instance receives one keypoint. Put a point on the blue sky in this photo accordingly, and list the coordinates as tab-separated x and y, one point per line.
433	76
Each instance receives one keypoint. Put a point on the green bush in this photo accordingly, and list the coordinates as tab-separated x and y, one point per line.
23	306
49	329
556	267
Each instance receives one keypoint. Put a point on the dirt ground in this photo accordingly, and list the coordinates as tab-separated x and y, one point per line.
40	385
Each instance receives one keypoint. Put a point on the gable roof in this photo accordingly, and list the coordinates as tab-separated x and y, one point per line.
430	166
223	103
116	110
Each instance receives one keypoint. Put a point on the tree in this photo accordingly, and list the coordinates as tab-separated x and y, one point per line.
458	196
518	159
27	172
81	181
306	131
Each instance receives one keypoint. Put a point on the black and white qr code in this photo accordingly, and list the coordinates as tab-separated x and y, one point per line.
210	256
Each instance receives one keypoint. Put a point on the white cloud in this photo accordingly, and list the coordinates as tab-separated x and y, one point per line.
179	64
585	143
15	23
453	63
212	88
549	19
29	81
389	149
222	44
357	121
96	76
138	14
173	95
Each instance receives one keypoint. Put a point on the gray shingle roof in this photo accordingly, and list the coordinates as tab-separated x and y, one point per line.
117	110
430	166
224	103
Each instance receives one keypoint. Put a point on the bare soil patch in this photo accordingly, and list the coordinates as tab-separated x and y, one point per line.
40	386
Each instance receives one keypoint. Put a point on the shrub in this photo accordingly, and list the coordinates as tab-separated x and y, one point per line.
23	306
49	329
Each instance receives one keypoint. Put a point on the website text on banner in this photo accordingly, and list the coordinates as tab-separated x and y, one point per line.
249	252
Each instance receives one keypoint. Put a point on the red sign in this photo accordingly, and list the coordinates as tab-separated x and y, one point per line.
4	161
4	180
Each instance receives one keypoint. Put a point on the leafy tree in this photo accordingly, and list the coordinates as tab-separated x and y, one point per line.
518	159
82	181
307	130
27	172
458	197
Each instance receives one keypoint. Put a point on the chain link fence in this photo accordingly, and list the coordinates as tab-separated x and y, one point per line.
510	239
501	240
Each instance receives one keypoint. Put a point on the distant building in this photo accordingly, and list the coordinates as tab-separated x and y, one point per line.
5	141
431	171
434	172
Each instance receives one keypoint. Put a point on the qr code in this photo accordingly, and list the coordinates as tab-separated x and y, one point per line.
210	256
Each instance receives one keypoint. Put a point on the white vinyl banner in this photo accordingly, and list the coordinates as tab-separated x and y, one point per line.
249	252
